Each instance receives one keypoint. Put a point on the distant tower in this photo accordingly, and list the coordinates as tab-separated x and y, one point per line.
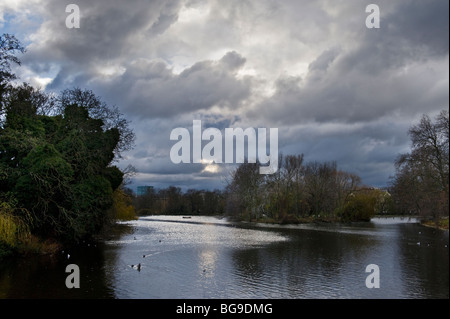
142	190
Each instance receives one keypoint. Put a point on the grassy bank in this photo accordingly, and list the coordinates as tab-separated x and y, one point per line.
442	223
31	246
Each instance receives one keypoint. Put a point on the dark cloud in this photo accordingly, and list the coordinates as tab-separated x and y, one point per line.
423	26
151	89
112	32
335	89
387	72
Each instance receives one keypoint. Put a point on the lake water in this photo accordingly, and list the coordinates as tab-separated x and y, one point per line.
208	257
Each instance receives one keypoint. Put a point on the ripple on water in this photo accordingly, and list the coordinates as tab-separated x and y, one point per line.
206	257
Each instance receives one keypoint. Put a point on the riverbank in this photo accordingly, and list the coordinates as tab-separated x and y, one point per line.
314	219
442	224
32	246
294	220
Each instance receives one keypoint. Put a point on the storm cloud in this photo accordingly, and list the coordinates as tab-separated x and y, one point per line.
335	89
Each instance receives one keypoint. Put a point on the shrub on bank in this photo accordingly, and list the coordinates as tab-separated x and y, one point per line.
358	207
122	208
13	230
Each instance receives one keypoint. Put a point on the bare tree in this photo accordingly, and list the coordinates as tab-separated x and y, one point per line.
245	191
9	47
422	178
320	183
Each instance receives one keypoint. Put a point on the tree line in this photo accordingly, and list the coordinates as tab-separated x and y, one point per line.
301	191
298	192
319	190
173	201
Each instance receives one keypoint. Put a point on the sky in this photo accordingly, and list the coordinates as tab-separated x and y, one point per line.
335	89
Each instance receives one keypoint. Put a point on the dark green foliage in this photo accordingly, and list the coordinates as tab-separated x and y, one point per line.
56	155
92	198
58	169
114	175
109	118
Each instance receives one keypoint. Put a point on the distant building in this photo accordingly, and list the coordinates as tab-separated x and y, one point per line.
142	190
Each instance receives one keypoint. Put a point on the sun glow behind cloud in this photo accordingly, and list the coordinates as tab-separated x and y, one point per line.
210	166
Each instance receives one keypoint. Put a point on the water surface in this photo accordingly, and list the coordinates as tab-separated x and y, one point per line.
208	257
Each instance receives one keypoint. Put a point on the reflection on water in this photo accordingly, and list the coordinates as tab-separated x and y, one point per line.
206	257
